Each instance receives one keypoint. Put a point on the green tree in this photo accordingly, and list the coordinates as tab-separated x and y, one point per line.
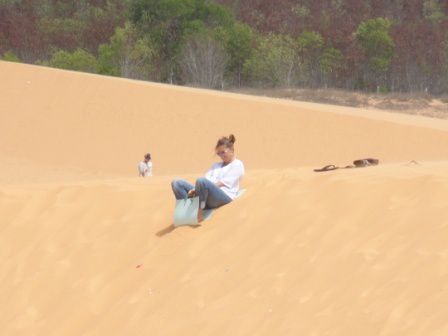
273	62
310	45
331	62
10	57
79	60
169	22
127	55
238	40
373	36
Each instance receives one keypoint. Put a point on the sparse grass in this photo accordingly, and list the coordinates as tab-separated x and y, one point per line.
417	103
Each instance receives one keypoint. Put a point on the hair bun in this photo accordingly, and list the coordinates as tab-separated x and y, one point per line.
226	141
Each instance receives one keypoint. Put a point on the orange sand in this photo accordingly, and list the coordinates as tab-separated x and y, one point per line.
87	248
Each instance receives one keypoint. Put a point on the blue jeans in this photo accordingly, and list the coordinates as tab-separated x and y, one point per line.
210	196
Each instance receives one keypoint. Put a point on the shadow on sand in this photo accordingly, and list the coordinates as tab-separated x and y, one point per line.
171	228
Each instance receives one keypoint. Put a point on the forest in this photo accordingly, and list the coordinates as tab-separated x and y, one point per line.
365	45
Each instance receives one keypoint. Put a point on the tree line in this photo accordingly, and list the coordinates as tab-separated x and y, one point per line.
371	45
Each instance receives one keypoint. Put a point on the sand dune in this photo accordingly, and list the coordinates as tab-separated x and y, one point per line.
87	247
69	119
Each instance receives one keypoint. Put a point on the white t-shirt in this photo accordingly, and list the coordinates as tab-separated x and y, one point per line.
230	175
145	169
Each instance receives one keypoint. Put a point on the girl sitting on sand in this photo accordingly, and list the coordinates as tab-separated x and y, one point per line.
220	184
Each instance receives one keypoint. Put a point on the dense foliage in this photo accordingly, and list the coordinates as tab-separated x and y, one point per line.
375	45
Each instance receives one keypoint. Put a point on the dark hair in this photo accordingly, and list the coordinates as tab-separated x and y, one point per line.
148	156
226	141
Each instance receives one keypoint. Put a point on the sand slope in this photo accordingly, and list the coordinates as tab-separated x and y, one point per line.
104	125
87	248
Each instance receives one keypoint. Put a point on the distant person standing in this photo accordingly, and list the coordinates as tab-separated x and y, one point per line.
145	166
